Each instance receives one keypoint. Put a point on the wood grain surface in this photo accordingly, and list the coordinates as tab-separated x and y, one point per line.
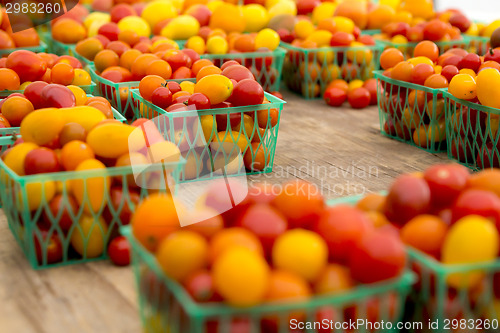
340	150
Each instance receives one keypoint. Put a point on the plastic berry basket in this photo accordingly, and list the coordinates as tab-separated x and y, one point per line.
165	306
57	47
265	66
472	129
407	48
309	71
213	142
118	94
40	48
83	231
411	113
478	44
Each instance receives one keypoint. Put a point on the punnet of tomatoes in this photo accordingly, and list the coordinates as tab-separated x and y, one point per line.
212	139
319	54
359	94
67	184
411	102
9	40
451	221
275	247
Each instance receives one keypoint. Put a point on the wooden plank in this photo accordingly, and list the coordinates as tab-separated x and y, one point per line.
339	150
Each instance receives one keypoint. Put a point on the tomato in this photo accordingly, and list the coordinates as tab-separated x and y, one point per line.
376	257
427	49
477	202
334	96
420	73
48	247
109	30
200	286
41	160
425	233
408	197
446	182
200	101
57	96
247	92
265	222
33	93
486	81
173	87
119	251
62	73
342	226
61	208
127	203
449	72
471	239
471	61
359	98
162	97
28	65
334	279
391	57
4	123
341	38
238	73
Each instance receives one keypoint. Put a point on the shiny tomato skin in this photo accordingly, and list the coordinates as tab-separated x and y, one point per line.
28	65
247	92
335	96
119	251
33	93
162	97
200	101
57	96
446	181
376	257
477	202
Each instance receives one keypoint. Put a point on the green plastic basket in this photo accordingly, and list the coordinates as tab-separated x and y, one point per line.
57	47
437	298
82	59
83	232
118	94
165	306
256	140
472	129
309	71
407	48
40	48
477	44
265	66
421	123
7	137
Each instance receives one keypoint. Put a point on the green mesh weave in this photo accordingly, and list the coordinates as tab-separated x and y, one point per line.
309	71
411	113
40	48
165	306
222	130
472	129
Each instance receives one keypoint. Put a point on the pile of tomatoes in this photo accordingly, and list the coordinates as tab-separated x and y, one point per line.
453	217
292	245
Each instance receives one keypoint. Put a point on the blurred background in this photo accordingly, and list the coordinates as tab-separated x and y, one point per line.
481	10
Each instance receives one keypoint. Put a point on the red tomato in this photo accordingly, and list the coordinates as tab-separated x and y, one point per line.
33	93
48	247
335	96
57	96
28	65
162	97
247	92
376	257
4	123
477	202
446	181
192	55
201	288
449	72
200	101
341	39
173	87
41	160
359	98
408	197
238	73
119	251
265	222
471	61
342	227
371	86
117	200
67	205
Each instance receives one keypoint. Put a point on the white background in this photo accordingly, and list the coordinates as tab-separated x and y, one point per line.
480	10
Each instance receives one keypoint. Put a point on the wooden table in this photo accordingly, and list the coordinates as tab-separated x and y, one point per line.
340	150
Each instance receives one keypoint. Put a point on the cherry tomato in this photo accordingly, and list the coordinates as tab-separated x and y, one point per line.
51	243
335	96
119	251
200	101
477	202
359	98
376	257
201	288
162	97
28	65
41	160
174	87
446	181
247	92
33	92
57	96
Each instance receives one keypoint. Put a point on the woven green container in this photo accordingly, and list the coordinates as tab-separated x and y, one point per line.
407	48
118	94
165	306
89	89
81	58
81	232
472	129
309	71
477	44
265	66
411	113
56	47
40	48
191	130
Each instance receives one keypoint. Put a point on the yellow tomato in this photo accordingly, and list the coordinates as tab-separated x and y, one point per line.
463	86
420	60
88	238
488	81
